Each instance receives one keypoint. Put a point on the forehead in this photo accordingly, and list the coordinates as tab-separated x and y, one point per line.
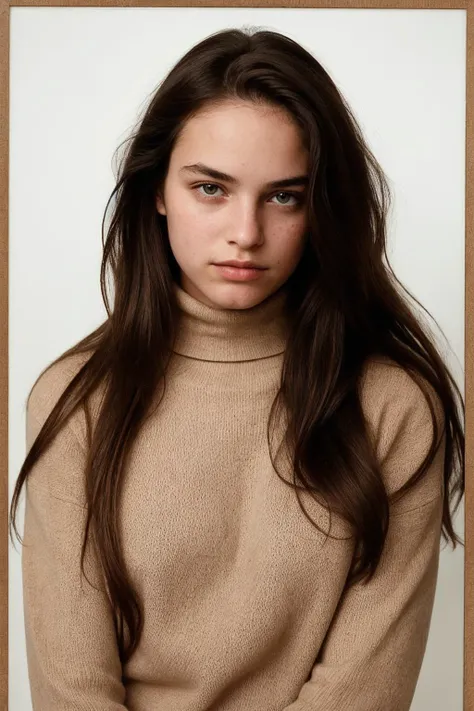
240	136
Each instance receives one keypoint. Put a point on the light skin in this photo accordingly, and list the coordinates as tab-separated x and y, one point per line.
212	220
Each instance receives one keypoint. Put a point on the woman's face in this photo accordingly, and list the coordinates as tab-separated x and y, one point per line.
239	216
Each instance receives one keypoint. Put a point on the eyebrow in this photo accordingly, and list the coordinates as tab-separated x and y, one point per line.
219	175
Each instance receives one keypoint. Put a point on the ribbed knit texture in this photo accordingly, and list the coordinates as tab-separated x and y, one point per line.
246	606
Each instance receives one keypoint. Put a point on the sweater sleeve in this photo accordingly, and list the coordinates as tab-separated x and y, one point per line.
374	648
72	655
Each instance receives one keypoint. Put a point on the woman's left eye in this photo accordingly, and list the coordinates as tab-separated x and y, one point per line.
296	197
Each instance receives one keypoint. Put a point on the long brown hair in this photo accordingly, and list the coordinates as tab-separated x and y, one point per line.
346	305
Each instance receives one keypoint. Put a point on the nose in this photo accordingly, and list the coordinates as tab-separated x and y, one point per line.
246	229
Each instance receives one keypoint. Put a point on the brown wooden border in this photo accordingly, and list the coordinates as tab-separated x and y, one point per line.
466	5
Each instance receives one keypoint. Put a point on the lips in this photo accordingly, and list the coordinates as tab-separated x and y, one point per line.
233	273
239	265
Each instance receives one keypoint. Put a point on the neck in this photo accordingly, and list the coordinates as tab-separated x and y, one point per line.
212	334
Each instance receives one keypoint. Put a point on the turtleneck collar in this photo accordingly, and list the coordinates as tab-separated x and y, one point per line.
211	334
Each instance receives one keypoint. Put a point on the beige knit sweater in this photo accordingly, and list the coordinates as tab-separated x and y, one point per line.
246	606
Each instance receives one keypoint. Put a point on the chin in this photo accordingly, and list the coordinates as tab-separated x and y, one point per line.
239	296
227	294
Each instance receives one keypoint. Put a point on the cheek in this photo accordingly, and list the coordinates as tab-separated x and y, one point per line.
191	236
183	225
187	219
289	241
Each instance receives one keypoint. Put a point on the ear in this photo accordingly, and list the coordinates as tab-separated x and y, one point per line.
160	205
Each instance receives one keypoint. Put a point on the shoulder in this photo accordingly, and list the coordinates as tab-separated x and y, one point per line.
60	469
390	395
50	384
45	393
397	409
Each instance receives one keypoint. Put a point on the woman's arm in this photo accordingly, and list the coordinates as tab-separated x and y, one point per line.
374	648
73	661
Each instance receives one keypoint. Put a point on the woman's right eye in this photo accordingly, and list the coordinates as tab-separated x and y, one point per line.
207	185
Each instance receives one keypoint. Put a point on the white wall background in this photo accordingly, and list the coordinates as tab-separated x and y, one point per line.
80	77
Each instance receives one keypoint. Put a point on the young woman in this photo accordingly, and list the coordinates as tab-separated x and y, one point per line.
238	484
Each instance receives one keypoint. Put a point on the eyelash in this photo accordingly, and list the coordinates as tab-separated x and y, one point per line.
297	196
